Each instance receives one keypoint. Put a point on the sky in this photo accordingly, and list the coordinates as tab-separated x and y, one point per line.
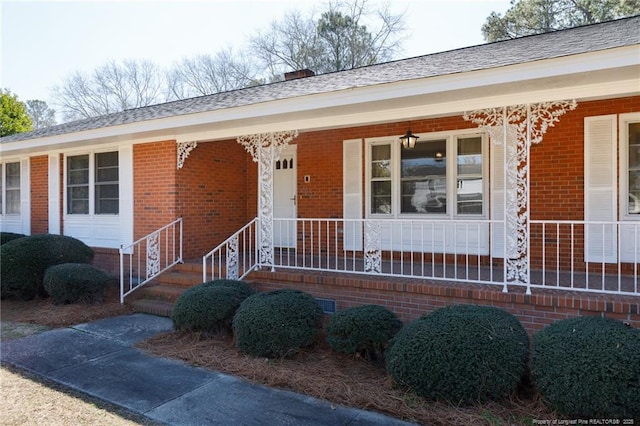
42	42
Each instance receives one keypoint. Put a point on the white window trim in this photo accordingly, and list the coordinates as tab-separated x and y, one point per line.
450	136
623	134
92	179
17	222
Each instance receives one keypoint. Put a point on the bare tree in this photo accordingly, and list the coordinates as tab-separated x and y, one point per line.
526	17
110	88
339	39
41	114
206	74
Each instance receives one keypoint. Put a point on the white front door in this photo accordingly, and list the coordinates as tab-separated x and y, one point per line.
285	199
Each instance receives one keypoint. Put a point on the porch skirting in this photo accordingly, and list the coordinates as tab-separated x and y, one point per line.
412	298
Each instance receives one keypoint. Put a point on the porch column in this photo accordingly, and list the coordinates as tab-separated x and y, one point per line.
265	149
516	128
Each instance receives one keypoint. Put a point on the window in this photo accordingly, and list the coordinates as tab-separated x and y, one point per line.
633	169
440	176
10	188
93	178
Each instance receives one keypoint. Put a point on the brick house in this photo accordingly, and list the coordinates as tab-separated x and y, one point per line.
521	191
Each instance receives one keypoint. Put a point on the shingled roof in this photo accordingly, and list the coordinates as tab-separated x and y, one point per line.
590	38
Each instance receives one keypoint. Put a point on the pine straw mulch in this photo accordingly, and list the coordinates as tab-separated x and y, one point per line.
341	379
318	372
44	312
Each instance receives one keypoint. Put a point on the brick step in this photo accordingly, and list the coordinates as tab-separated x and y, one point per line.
177	277
153	307
161	292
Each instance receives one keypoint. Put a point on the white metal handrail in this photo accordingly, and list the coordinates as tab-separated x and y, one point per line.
600	257
235	257
150	256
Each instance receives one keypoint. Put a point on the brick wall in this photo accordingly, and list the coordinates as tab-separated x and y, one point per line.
154	186
212	196
411	298
39	176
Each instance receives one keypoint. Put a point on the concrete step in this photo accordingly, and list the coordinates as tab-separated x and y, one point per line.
153	307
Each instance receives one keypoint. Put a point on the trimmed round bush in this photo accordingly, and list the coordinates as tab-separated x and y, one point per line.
76	282
207	308
365	330
463	354
277	323
241	286
588	367
25	260
5	237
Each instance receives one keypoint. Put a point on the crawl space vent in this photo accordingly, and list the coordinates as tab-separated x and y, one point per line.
328	305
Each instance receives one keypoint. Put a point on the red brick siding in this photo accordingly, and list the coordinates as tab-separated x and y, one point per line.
211	195
39	176
410	299
154	186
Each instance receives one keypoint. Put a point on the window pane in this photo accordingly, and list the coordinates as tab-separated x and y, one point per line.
107	175
78	199
13	201
470	185
78	177
12	183
424	178
107	159
78	162
107	199
381	197
381	161
634	168
107	167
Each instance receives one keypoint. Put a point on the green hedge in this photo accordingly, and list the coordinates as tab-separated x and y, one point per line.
362	329
5	237
241	286
588	367
277	323
207	308
462	354
25	260
76	282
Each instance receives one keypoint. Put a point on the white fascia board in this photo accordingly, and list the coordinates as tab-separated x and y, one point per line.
177	127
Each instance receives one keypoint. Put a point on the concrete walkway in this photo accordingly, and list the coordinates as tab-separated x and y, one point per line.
99	359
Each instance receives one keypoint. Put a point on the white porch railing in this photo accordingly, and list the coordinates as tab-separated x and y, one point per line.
601	257
235	257
148	257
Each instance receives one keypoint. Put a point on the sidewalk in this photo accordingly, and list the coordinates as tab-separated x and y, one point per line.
98	359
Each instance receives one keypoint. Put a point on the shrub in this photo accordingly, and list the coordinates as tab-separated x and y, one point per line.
463	354
363	329
243	287
207	308
76	282
25	260
5	237
588	367
277	323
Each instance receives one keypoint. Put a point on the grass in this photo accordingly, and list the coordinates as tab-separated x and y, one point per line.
318	372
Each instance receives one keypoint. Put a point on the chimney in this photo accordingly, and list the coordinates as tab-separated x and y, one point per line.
293	75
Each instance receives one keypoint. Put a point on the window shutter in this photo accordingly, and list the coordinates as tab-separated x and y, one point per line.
125	187
352	190
25	196
497	199
54	194
600	188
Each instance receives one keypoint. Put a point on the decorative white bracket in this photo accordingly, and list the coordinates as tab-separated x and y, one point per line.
517	127
265	148
184	149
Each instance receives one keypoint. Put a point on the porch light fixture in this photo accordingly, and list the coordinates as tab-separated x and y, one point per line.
408	140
